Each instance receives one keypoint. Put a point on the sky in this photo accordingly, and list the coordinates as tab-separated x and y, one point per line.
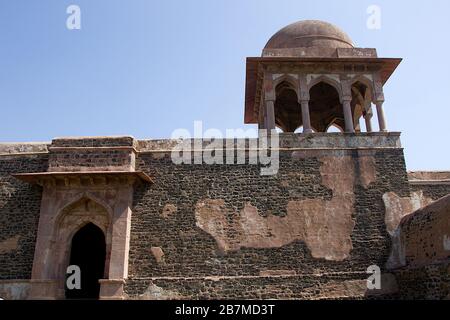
148	67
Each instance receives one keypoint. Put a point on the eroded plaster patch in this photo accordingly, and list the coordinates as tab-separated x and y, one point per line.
158	253
14	289
339	290
9	244
397	207
367	170
168	210
153	292
325	226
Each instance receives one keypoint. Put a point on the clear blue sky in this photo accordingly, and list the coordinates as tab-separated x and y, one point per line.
145	68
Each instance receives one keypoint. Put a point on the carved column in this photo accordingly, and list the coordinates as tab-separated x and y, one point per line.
380	115
346	106
305	116
379	100
261	115
270	112
269	98
368	118
348	115
304	102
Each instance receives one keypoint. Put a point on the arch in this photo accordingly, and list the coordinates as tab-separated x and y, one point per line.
362	95
76	199
80	211
335	128
278	129
325	106
293	82
367	82
88	252
326	79
287	107
299	130
366	98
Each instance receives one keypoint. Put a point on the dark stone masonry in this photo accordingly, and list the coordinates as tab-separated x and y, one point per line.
338	217
19	215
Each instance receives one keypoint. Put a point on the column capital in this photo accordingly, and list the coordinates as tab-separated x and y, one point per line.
368	115
346	99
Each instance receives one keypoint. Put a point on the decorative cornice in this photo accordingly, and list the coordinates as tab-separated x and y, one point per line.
90	178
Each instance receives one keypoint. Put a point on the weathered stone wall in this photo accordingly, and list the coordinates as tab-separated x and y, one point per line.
226	231
432	184
429	282
424	239
19	214
432	191
209	231
92	154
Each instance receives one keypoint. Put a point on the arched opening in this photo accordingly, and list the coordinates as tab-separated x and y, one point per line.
88	252
278	129
334	128
361	100
325	107
287	109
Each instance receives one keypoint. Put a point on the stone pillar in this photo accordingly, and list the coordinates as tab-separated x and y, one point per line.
261	116
368	118
348	116
305	116
303	93
380	115
270	112
379	100
269	97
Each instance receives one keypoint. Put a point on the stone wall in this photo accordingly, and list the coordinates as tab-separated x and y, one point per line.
226	231
209	231
19	214
92	154
424	239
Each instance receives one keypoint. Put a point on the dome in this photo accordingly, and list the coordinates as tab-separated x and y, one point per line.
307	34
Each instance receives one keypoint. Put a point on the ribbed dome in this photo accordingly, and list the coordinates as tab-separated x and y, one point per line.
309	33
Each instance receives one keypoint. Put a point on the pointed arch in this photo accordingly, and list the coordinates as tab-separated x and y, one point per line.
336	126
292	81
328	80
287	108
367	98
367	82
76	199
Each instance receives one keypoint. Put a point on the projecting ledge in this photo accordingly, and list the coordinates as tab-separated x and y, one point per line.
83	177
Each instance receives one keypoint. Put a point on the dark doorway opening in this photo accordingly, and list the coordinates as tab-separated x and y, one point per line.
88	252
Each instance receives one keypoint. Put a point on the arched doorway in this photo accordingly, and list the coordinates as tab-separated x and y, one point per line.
88	251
